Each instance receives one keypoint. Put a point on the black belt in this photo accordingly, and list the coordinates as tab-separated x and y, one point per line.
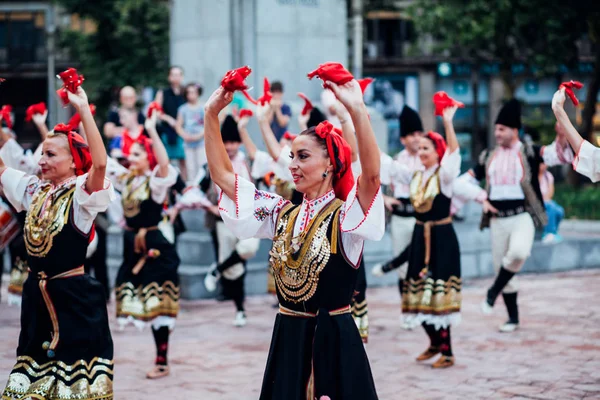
510	212
404	209
508	208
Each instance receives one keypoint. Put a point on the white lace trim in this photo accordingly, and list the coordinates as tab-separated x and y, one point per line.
438	321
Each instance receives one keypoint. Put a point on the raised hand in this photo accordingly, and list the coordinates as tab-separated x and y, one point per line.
218	101
558	100
349	94
448	113
78	99
40	119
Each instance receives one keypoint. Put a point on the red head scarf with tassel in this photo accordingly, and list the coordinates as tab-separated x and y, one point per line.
340	154
79	149
439	143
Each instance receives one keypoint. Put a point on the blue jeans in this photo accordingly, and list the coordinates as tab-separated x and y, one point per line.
555	214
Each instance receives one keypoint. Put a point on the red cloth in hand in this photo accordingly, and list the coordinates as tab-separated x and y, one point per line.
82	157
307	104
33	109
154	106
340	155
250	98
236	79
442	101
267	95
289	136
439	143
246	112
333	72
5	114
71	81
364	83
76	119
569	86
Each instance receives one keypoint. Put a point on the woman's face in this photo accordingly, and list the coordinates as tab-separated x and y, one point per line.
57	162
138	158
309	161
427	153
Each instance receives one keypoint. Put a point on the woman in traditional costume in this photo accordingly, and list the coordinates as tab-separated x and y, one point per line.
432	289
65	348
147	287
316	349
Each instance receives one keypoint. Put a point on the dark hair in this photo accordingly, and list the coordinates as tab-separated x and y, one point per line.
175	66
192	85
277	87
315	118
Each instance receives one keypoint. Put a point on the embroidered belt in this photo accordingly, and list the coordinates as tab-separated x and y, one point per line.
293	313
139	246
510	212
404	209
427	225
50	347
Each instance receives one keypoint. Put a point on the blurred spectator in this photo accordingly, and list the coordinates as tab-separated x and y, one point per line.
190	127
280	118
119	146
555	212
127	98
171	99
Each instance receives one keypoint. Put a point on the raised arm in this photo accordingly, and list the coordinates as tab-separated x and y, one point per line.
219	165
95	180
273	146
350	95
40	123
558	106
245	136
451	140
162	158
347	129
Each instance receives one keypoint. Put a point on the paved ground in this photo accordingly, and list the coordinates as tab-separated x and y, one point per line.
555	355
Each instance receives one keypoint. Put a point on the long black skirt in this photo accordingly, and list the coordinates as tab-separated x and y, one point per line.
82	366
313	357
154	291
434	298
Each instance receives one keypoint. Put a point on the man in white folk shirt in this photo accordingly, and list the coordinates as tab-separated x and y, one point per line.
513	205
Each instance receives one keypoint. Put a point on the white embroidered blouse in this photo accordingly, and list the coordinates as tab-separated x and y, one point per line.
253	213
19	188
587	161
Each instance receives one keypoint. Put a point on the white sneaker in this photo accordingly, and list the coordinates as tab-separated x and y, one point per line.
406	326
378	270
486	308
210	282
240	319
548	238
509	327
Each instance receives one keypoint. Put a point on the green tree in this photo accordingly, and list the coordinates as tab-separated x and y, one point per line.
130	45
539	33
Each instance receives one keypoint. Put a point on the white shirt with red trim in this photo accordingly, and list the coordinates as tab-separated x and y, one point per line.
15	157
587	161
159	187
19	188
253	213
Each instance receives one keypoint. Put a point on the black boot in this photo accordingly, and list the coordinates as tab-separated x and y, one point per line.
401	286
504	276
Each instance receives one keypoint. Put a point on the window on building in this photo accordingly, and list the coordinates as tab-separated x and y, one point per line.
22	38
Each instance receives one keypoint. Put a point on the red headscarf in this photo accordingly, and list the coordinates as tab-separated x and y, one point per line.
79	149
289	136
340	154
439	143
146	143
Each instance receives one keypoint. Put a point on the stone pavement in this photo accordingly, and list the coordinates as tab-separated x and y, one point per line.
555	355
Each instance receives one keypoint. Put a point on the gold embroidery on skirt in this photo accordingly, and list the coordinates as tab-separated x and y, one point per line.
149	302
94	380
429	297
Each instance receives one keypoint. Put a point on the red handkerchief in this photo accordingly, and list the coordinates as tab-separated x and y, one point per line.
33	109
334	72
364	83
236	79
71	81
5	114
569	86
442	101
307	104
246	112
154	106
